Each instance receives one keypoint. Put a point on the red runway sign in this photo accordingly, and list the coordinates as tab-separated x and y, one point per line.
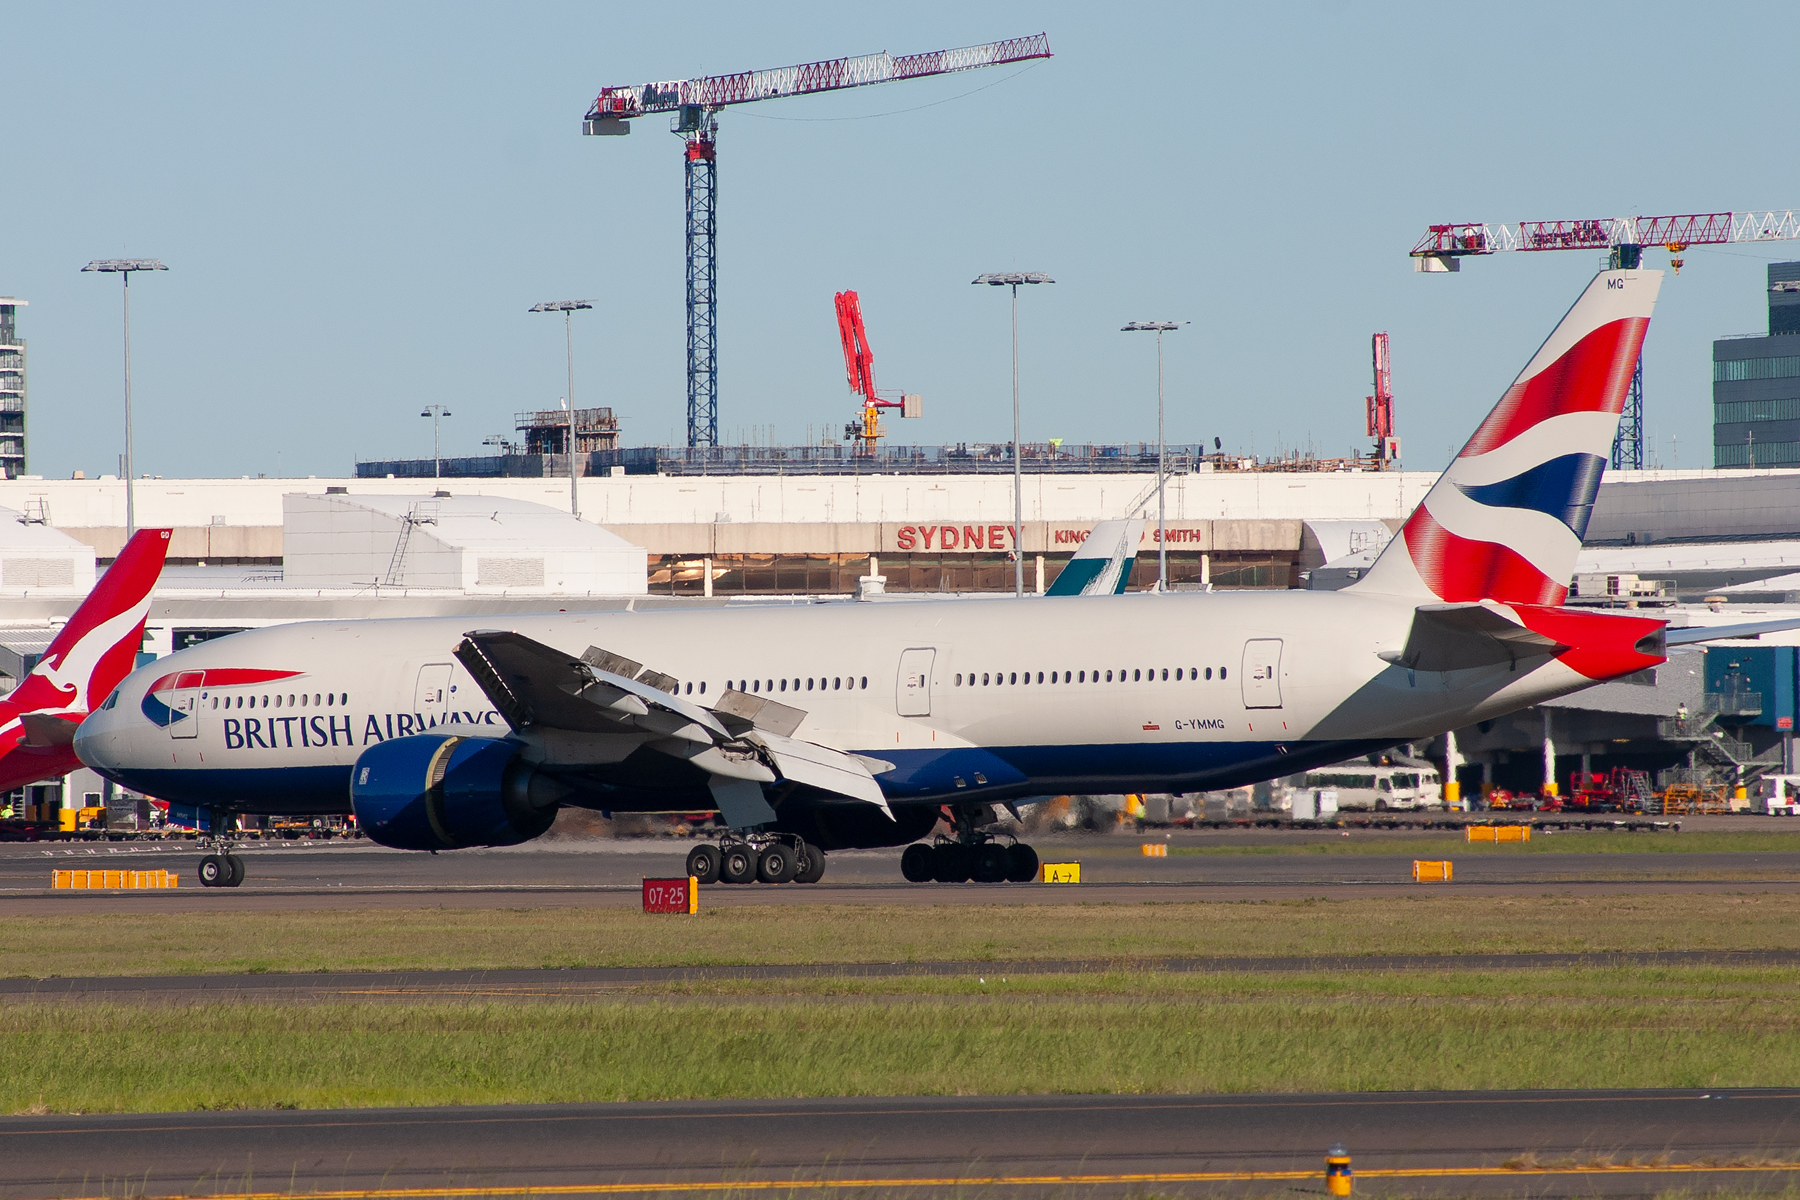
678	895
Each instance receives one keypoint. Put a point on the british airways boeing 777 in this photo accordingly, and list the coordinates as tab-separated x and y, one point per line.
815	728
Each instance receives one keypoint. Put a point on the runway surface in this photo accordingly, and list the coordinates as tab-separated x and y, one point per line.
605	873
579	982
1454	1143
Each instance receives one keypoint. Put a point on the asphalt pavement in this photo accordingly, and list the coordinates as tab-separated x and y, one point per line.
339	874
1431	1144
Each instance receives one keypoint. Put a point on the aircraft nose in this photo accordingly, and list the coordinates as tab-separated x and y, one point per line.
96	741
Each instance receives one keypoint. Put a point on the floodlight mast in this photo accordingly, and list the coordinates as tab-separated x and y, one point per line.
124	267
1162	541
1015	280
695	104
567	308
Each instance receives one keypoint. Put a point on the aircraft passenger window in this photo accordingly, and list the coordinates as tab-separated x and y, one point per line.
1137	676
329	697
215	703
1209	672
1081	678
1066	676
959	679
984	680
809	683
703	687
755	685
865	683
837	681
1165	671
1221	672
1040	677
1109	677
1177	674
278	702
1014	678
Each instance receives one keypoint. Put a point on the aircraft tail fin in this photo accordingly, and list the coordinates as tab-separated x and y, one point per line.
98	647
1505	520
1102	566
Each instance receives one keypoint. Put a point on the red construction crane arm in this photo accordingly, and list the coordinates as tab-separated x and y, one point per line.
716	91
859	360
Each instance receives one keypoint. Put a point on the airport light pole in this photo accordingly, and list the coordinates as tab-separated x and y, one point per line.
436	412
1162	546
568	308
1015	280
123	267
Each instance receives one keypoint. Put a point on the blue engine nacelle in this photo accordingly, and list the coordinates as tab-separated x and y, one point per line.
437	792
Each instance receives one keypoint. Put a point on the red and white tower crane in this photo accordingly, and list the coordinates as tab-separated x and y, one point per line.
695	104
1624	239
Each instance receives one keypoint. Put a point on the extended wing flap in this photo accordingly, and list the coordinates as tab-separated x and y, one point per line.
822	767
532	684
1458	637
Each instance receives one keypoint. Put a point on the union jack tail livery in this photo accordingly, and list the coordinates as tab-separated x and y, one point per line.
88	658
1505	521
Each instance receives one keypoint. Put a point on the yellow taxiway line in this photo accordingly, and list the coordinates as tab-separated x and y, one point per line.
763	1185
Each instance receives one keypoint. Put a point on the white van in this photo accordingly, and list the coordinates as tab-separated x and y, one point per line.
1362	787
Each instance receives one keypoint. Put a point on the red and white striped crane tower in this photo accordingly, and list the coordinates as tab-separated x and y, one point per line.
695	104
1624	239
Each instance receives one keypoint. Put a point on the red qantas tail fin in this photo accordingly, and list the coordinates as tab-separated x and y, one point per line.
99	645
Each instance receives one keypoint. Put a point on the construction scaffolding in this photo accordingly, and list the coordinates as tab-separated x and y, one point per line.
547	432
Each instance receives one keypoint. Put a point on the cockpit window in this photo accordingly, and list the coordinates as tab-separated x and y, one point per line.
112	699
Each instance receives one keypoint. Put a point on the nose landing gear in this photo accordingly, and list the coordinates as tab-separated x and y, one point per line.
970	853
750	857
221	868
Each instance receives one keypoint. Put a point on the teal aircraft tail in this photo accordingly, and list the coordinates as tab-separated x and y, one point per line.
1102	567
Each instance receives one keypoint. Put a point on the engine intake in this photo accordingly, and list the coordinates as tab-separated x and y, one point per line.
435	792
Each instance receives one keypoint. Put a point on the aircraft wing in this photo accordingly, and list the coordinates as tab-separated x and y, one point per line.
1456	637
595	711
1689	635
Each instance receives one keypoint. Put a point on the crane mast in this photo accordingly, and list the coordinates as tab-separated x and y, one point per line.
695	104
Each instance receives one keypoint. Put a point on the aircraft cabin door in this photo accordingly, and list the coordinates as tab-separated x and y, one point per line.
185	701
1261	673
913	692
432	699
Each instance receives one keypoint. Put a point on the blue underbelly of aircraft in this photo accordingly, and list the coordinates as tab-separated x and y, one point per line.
919	776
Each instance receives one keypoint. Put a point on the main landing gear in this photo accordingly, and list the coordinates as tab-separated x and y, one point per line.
969	854
757	857
221	868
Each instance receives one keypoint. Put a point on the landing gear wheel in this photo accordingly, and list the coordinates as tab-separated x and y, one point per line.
235	865
776	865
990	863
213	871
703	864
737	864
1021	863
951	863
918	863
810	866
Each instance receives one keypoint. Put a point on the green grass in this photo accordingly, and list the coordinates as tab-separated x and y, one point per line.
1124	1032
1423	844
449	938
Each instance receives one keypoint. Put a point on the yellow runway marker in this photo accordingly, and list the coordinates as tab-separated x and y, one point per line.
766	1185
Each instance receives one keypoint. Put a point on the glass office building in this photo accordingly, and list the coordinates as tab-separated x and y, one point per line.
1756	384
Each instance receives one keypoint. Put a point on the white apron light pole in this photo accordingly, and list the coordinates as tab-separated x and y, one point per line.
1014	279
568	308
123	267
1162	542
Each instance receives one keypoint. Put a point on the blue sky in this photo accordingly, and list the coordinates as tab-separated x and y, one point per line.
358	203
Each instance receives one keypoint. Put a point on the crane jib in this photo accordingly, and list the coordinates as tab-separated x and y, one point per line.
715	91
